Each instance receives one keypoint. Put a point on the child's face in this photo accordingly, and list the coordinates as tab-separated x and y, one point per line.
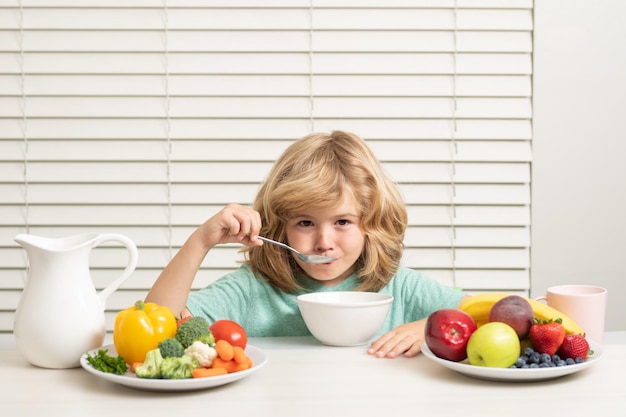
336	233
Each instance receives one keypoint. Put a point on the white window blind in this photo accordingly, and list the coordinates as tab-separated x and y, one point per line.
145	117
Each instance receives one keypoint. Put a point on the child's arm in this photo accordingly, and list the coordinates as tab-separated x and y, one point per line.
405	339
233	224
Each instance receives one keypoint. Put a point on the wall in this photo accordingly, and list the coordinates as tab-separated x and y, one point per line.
578	192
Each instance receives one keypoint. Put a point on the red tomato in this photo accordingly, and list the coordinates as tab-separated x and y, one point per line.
230	331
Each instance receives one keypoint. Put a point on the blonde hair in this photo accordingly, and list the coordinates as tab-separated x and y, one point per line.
315	173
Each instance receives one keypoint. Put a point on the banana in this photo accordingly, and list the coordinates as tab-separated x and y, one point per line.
545	312
478	306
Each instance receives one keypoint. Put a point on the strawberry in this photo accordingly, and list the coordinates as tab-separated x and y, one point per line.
547	335
574	346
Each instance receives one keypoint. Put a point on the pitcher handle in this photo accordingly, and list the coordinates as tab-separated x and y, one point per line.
130	266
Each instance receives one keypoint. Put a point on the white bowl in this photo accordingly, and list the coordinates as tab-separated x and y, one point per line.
344	318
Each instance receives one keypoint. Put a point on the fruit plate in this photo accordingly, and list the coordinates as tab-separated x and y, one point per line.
130	380
514	375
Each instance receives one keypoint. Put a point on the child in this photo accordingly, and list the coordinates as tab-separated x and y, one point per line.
327	195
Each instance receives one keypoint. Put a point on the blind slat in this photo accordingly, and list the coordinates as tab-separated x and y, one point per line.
277	19
147	193
516	4
266	41
417	130
514	279
191	215
267	63
267	107
467	258
238	172
417	152
269	85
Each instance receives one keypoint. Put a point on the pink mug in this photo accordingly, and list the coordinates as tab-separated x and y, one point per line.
585	304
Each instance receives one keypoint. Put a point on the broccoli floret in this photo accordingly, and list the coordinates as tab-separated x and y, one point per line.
207	339
171	348
191	329
178	368
151	367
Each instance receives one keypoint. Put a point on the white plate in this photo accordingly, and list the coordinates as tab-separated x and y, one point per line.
518	375
130	380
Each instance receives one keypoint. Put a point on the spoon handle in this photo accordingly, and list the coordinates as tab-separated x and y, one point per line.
277	243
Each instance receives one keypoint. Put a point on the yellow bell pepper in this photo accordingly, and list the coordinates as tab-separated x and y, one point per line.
140	328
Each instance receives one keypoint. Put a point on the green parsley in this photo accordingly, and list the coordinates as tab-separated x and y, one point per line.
109	364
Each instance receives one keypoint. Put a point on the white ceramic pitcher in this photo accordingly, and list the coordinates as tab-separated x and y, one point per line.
60	314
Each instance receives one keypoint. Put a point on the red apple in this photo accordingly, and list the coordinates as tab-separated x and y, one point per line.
447	332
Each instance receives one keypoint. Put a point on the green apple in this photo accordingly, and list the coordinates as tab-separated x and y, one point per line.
494	345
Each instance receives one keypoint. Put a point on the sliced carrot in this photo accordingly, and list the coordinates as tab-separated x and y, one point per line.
239	355
230	366
134	366
181	321
206	372
242	366
224	350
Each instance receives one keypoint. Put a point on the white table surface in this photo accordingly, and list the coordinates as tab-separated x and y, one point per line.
304	378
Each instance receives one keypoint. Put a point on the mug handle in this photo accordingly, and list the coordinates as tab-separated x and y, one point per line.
130	266
542	298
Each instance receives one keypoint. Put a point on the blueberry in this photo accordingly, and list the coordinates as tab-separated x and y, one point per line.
556	358
561	363
579	360
569	361
533	365
544	365
545	358
528	351
520	362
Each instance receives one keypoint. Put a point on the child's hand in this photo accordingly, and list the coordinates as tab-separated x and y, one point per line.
233	224
406	338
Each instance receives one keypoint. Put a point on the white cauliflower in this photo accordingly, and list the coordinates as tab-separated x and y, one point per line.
201	352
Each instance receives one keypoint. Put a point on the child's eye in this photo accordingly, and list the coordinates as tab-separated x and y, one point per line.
343	222
305	223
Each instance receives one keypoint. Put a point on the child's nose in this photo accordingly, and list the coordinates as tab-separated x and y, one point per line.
324	240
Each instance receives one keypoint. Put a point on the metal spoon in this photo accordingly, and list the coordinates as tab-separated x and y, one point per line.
311	259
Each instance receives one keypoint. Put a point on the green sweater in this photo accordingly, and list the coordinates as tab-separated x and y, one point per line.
266	311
